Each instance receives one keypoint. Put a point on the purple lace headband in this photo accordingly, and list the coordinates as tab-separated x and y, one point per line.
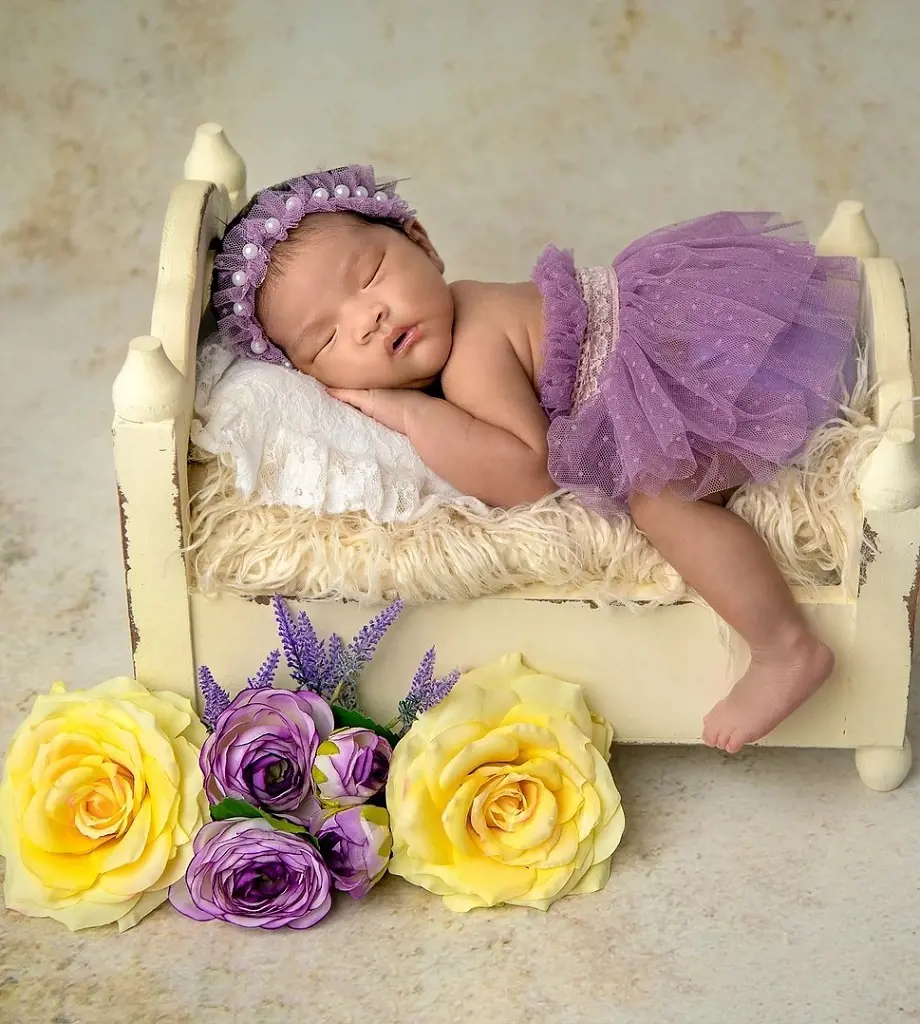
244	252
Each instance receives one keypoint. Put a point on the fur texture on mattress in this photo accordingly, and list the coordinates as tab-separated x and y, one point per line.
808	517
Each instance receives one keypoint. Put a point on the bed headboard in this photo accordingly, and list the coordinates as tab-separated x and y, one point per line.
153	397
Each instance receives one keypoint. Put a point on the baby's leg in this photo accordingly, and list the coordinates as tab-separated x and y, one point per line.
729	566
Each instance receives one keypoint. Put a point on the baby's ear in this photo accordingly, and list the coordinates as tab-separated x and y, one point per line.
419	235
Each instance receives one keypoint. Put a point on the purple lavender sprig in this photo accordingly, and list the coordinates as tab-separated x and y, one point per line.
302	649
347	661
340	684
266	674
425	692
311	651
366	642
287	634
332	670
216	698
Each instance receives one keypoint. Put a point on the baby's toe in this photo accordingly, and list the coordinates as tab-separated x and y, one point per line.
735	741
712	728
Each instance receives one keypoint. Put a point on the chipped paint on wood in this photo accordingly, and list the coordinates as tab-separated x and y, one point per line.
132	625
155	572
911	601
868	553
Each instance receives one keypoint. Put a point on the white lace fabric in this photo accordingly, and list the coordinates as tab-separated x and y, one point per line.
290	443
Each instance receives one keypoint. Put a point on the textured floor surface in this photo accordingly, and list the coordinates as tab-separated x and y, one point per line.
769	887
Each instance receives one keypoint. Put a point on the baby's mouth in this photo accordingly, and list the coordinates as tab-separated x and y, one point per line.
404	340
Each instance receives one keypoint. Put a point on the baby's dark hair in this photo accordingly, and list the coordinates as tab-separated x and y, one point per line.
269	228
309	228
284	251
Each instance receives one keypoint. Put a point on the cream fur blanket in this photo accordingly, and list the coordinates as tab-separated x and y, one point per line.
809	517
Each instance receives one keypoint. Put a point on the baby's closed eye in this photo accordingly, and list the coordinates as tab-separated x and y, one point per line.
376	273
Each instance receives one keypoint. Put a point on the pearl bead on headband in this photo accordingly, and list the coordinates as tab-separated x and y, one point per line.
244	252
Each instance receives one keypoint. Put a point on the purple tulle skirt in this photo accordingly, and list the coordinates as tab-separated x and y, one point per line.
728	343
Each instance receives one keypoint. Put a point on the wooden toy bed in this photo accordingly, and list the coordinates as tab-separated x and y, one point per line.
652	674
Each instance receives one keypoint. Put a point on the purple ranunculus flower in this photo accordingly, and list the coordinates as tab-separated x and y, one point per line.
262	750
356	843
247	873
350	767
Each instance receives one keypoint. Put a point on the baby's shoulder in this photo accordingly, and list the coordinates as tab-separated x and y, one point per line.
491	310
483	320
488	330
479	303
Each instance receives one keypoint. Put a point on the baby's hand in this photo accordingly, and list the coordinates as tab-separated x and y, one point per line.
387	407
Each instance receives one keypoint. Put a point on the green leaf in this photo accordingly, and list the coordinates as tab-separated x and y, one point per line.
230	807
283	825
346	719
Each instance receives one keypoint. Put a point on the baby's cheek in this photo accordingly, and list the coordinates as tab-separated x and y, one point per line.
304	366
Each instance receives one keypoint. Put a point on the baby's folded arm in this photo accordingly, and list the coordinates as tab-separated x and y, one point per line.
478	458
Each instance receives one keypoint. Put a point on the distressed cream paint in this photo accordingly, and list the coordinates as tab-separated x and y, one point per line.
652	675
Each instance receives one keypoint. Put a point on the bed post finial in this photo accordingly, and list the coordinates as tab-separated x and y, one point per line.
148	388
848	233
212	158
890	480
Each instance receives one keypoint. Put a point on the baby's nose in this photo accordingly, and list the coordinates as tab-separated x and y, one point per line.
371	321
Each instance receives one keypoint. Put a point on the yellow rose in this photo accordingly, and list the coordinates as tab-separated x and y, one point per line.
502	793
101	797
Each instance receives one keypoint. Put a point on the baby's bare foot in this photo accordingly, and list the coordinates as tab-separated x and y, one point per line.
776	683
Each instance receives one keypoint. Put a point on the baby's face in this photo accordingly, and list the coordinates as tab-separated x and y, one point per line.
360	305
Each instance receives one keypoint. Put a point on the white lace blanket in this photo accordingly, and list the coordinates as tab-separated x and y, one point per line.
290	443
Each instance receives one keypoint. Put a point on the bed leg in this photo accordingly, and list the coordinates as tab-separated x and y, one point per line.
883	768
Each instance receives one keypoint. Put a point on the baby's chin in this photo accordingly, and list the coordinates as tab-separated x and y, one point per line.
417	383
433	354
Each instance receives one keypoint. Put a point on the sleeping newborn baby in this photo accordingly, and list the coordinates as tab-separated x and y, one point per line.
702	358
